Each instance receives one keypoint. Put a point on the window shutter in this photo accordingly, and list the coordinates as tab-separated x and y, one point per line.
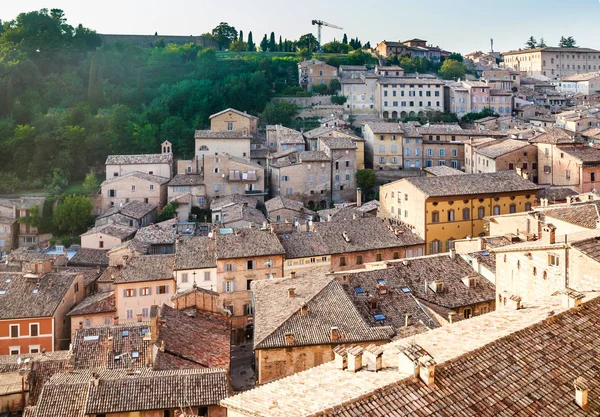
233	286
149	290
134	292
124	293
166	289
224	286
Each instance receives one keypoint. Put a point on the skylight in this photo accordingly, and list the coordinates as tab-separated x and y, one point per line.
359	290
125	333
91	338
381	281
405	290
379	317
135	355
7	281
145	331
35	291
2	292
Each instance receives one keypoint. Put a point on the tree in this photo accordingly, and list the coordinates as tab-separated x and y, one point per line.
224	34
303	54
272	44
251	45
241	36
320	89
238	46
335	99
33	219
73	214
91	183
336	47
168	212
456	57
308	42
57	182
334	86
542	43
531	43
280	112
345	39
452	70
567	42
280	46
359	57
366	179
264	44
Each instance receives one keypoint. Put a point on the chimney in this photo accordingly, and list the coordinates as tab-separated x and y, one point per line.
335	334
110	344
291	292
570	298
427	370
549	234
452	253
304	310
407	320
154	323
289	338
293	275
374	357
139	318
358	197
162	345
340	357
95	379
329	217
116	320
354	358
407	360
451	317
581	392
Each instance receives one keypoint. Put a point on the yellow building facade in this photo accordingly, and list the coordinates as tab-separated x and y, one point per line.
444	209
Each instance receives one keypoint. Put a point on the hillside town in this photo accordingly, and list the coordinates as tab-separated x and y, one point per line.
386	261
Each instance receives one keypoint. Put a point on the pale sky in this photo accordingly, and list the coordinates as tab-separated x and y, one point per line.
455	25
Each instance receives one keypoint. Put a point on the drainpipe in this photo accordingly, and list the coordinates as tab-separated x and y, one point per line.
566	261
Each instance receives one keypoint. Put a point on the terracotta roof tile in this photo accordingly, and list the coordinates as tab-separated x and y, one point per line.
103	302
196	253
247	243
112	229
147	268
136	174
89	257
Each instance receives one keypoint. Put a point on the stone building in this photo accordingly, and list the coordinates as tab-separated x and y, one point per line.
443	209
234	120
503	155
13	234
342	154
347	244
160	165
134	186
96	310
281	209
189	191
107	236
383	142
244	256
299	322
196	264
133	214
553	62
227	174
400	97
315	72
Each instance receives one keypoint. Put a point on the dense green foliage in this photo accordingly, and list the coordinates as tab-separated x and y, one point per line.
66	102
73	215
568	42
366	180
487	112
452	70
168	212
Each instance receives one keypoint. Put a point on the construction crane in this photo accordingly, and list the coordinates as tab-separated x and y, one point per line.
320	24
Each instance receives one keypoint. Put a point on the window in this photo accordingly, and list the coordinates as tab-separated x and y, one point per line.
230	126
129	314
553	260
512	208
229	286
435	217
359	259
250	265
206	275
429	152
162	289
230	267
481	212
378	257
107	321
450	215
342	261
466	214
129	292
467	313
434	247
100	244
133	188
145	312
496	210
184	278
592	176
442	152
568	174
14	330
148	290
112	193
15	350
34	329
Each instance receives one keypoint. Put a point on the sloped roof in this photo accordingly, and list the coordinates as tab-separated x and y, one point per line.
469	184
134	209
103	302
366	233
214	134
89	257
585	215
196	253
186	179
20	301
218	203
328	306
501	147
279	202
585	154
232	110
162	233
117	230
554	135
160	158
313	156
23	203
247	243
443	170
147	268
155	179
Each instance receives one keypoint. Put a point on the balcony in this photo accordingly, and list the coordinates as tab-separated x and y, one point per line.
240	176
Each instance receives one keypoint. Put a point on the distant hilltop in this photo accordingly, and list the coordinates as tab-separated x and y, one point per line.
147	41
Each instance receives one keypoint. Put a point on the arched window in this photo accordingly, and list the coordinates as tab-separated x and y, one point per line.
512	208
435	247
435	217
527	206
203	148
466	214
496	210
450	215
